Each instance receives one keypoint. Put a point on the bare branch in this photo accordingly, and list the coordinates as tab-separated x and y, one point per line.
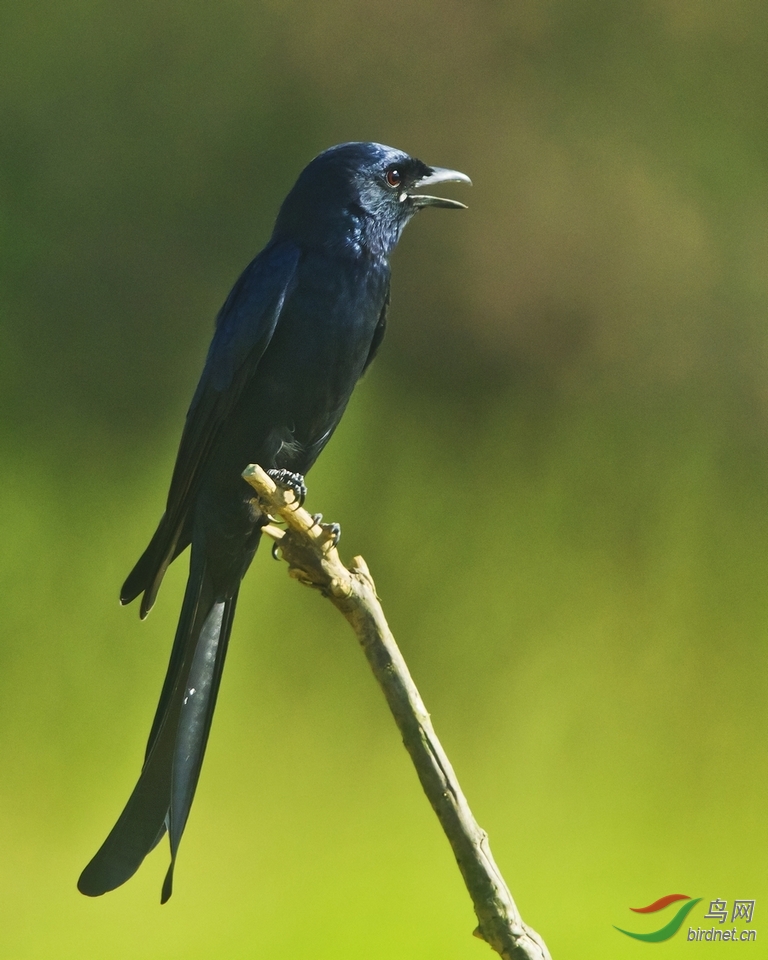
309	548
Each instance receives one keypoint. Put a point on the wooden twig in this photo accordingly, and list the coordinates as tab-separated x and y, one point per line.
309	548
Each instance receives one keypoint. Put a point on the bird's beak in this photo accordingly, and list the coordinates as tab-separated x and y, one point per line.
438	175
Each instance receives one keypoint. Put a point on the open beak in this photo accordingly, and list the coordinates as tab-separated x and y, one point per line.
438	175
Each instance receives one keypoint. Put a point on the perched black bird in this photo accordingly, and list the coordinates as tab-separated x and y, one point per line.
298	330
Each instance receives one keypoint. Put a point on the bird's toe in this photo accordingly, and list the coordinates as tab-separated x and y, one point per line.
292	481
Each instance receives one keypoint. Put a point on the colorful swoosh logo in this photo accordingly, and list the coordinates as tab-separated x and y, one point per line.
661	903
665	932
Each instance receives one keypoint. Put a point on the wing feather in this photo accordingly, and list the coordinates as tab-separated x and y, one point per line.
244	327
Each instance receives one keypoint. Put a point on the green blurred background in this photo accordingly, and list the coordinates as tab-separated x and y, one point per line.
587	347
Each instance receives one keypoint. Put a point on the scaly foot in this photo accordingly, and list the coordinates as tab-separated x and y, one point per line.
293	481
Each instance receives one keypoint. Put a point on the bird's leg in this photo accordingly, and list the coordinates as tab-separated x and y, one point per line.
293	481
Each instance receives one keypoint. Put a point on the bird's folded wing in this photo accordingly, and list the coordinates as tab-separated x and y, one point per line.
244	327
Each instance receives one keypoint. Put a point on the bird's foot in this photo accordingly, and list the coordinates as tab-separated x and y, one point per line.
293	481
332	531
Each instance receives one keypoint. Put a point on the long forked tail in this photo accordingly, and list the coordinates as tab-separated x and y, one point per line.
163	795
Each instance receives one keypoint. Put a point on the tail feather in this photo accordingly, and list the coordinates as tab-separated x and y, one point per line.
147	575
165	789
202	688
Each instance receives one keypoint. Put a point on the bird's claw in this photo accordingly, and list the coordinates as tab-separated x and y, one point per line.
293	481
332	531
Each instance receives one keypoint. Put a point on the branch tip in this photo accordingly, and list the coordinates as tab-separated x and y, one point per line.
272	531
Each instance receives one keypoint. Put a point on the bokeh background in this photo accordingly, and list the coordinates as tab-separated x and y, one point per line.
557	469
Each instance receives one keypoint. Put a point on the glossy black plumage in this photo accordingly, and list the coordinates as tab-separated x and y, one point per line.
295	334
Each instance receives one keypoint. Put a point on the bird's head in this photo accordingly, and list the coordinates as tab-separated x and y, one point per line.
358	197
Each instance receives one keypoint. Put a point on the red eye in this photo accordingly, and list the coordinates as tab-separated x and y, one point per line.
394	177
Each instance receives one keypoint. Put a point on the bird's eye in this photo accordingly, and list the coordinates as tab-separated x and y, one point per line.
394	177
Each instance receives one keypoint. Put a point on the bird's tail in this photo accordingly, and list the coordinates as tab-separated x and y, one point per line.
163	795
166	544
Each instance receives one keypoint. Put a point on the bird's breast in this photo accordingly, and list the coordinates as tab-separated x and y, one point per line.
329	320
317	354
